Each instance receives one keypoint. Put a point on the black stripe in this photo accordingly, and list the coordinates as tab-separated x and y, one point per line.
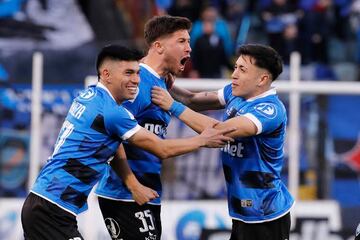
80	171
254	179
132	152
227	173
276	133
151	180
143	121
73	197
103	153
263	156
99	124
85	144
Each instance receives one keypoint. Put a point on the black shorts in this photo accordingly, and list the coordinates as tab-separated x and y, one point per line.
130	221
43	220
278	229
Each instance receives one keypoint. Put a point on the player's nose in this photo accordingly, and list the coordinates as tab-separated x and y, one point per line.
188	48
135	79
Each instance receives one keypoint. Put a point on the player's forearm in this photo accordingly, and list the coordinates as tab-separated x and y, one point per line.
182	95
174	147
165	148
121	166
197	121
200	101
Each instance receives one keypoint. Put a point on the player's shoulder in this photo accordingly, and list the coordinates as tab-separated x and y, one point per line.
117	113
93	94
269	106
87	94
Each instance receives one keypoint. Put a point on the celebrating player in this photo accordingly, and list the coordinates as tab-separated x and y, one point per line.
120	200
259	202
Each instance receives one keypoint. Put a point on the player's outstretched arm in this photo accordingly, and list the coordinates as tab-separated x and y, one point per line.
198	101
197	121
140	193
164	149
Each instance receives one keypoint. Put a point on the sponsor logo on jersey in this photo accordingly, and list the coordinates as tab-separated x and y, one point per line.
266	109
246	203
234	149
157	129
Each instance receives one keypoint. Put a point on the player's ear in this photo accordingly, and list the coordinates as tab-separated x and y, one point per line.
158	47
105	74
264	79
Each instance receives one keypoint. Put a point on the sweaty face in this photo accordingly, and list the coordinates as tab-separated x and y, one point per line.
246	77
125	79
176	51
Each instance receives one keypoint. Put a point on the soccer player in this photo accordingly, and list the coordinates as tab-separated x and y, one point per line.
95	126
168	43
259	202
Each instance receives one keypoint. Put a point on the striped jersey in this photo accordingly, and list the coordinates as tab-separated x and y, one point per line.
90	135
145	166
252	165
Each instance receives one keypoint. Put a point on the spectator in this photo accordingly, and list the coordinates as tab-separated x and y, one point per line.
315	36
280	19
209	55
221	28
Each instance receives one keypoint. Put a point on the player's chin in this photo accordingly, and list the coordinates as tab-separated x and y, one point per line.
180	70
131	96
235	92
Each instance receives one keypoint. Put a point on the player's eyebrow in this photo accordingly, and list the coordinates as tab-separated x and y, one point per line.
129	70
242	67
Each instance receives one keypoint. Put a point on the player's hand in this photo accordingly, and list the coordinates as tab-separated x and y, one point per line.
214	138
142	194
161	97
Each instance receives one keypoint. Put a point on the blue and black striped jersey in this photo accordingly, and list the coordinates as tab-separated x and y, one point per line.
90	135
252	165
145	166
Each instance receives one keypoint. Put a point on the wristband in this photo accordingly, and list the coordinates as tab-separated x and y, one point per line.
177	108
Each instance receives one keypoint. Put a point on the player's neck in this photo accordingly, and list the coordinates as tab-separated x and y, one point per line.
113	94
258	93
155	63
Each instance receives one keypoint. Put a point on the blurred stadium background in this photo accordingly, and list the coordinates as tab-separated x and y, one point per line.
320	87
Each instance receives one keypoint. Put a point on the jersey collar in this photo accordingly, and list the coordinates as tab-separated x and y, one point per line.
100	85
271	91
152	71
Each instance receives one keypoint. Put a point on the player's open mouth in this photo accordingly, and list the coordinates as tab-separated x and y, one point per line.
183	62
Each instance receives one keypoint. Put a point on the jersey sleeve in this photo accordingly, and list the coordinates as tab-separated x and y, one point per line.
267	116
122	123
224	94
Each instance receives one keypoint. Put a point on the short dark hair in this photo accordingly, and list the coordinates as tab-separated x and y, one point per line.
265	57
117	52
160	26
